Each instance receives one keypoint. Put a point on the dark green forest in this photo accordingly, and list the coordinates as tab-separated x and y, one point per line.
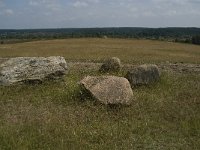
175	34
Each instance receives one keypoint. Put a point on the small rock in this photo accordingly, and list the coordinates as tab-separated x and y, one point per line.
108	89
111	65
143	75
31	69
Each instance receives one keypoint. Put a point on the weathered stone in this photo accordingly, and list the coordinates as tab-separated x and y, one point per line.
111	65
109	89
31	69
143	75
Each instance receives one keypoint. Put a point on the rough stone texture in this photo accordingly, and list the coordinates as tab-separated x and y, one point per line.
111	65
109	89
31	69
143	75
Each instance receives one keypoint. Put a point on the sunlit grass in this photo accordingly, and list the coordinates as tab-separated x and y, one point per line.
51	116
55	115
93	49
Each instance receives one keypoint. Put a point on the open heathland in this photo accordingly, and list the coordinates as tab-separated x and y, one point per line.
57	115
89	49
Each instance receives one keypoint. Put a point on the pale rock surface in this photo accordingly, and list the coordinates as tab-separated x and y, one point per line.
31	69
109	89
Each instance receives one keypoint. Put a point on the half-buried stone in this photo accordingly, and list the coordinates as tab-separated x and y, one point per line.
111	65
108	89
143	75
31	69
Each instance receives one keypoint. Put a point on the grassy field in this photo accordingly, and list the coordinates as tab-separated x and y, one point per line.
54	115
134	51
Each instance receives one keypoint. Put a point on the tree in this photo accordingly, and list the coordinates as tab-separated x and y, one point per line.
196	39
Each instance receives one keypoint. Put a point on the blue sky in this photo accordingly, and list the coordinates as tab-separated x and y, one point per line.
19	14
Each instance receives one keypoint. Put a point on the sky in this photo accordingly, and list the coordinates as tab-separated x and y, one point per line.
29	14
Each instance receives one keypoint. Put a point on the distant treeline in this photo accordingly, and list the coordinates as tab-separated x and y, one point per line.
186	35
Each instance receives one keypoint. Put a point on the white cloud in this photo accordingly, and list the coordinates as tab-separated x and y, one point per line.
8	12
33	3
93	1
46	5
4	10
171	13
37	2
79	4
84	3
149	14
98	13
176	2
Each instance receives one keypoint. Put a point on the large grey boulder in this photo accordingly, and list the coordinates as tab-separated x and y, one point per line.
143	75
111	65
108	89
31	69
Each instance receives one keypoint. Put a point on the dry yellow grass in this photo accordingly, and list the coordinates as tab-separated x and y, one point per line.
94	49
56	115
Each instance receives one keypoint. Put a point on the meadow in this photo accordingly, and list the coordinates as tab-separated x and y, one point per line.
55	114
98	49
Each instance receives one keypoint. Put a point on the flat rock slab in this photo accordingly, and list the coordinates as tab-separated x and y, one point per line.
109	89
31	69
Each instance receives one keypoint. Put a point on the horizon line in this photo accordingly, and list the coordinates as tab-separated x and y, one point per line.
94	28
